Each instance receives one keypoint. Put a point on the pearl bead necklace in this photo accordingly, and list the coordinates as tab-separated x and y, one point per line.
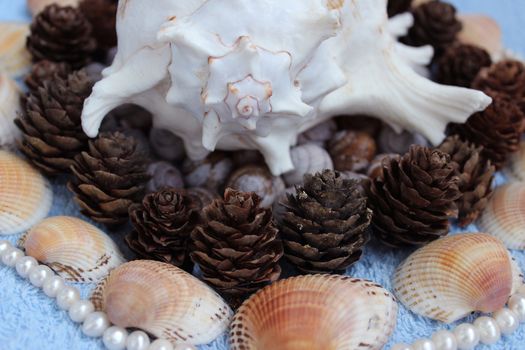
93	323
486	330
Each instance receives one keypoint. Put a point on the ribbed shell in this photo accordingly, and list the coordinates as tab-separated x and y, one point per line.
9	108
504	216
25	195
315	312
14	57
75	249
163	300
454	276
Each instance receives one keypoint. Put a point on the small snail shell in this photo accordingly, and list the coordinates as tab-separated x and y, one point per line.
391	141
166	145
352	151
211	172
163	174
307	159
319	134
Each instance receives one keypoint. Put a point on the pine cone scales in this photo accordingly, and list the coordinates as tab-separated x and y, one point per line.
236	246
414	197
460	64
505	77
324	227
102	14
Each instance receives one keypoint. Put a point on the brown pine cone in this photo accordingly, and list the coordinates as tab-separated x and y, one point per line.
460	64
498	129
505	77
414	197
475	177
162	226
44	71
436	24
352	151
325	224
61	34
51	125
395	7
102	14
236	246
109	178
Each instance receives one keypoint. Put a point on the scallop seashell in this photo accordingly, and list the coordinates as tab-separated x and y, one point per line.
35	6
454	276
15	60
74	249
504	216
309	158
163	300
25	195
10	106
482	31
516	165
315	312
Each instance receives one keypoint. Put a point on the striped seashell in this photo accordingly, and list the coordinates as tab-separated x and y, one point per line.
454	276
73	248
35	6
504	216
164	301
315	312
25	195
15	60
10	106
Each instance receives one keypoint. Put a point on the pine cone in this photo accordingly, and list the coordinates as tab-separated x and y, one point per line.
102	14
61	34
505	77
395	7
236	245
44	71
162	226
414	197
498	129
460	64
324	226
51	125
109	178
475	177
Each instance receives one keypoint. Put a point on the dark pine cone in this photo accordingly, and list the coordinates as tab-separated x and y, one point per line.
51	125
102	14
44	71
414	197
460	64
162	226
395	7
505	77
109	178
498	129
325	224
236	246
475	177
61	34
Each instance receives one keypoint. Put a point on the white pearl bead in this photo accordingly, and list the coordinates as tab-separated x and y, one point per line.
4	245
114	338
445	340
95	324
67	296
507	320
424	344
137	340
52	285
80	309
24	264
467	336
184	347
11	256
38	274
488	329
517	304
161	344
401	346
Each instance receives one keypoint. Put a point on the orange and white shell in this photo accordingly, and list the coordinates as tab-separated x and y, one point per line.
10	106
504	216
73	248
25	195
315	312
454	276
15	60
164	301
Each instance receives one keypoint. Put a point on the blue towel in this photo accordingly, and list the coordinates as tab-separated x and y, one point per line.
31	321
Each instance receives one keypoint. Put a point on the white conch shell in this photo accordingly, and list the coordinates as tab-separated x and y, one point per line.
15	60
243	82
75	249
315	312
504	215
162	300
25	195
454	276
10	106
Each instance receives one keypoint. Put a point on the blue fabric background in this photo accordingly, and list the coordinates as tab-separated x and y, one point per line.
31	321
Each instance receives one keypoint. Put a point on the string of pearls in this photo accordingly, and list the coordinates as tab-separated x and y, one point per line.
486	330
94	323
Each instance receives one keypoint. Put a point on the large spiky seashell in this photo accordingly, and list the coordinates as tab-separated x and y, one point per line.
504	216
25	195
454	276
15	60
315	312
73	248
10	106
35	6
162	300
516	165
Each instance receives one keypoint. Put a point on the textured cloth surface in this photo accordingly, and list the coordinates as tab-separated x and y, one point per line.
31	321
